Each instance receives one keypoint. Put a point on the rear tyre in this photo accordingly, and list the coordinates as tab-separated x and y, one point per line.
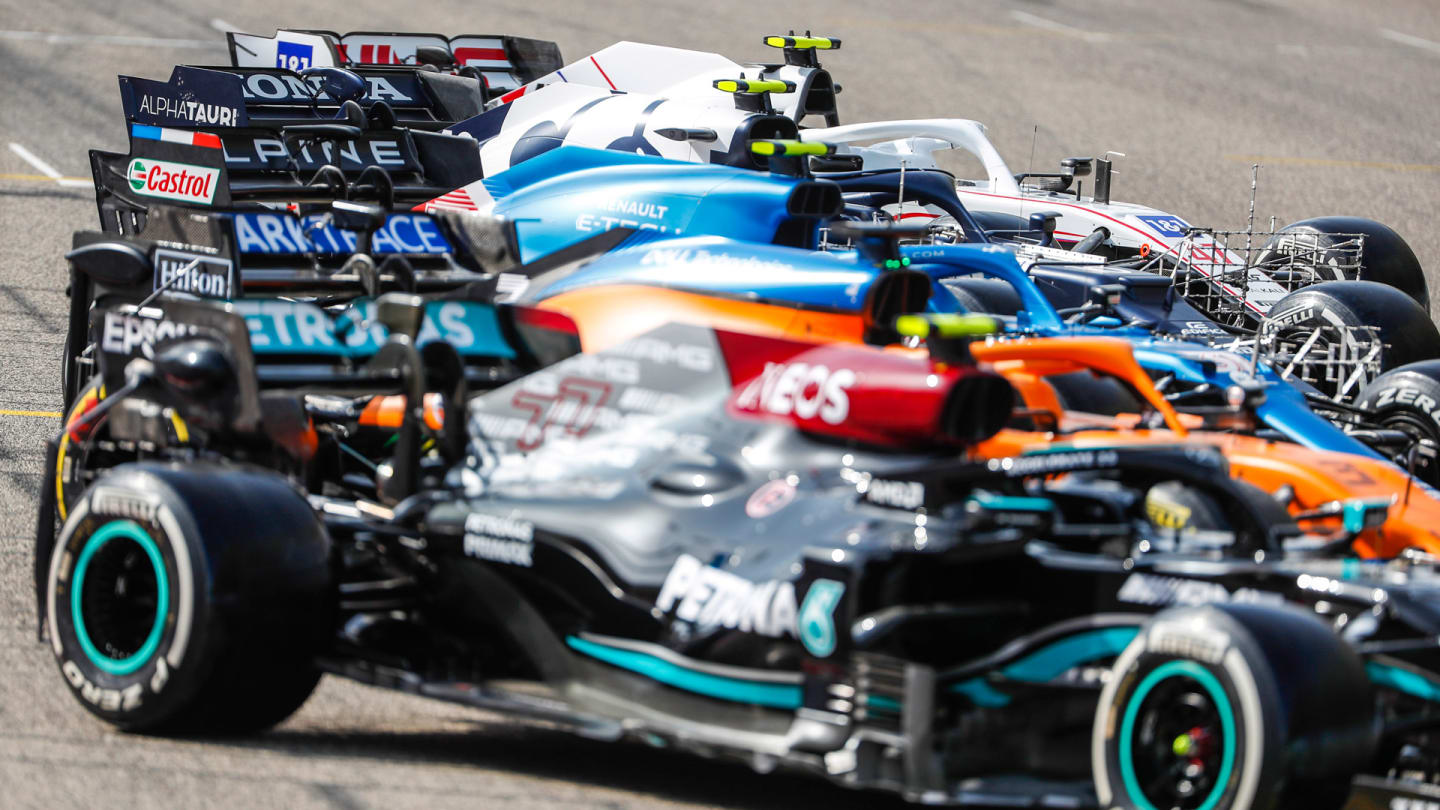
1176	505
1092	393
1408	399
1232	707
1386	257
1403	329
189	599
984	295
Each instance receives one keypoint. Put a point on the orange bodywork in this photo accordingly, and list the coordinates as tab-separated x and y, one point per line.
1316	477
1027	362
609	315
388	412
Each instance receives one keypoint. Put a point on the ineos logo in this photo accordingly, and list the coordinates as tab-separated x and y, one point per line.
801	389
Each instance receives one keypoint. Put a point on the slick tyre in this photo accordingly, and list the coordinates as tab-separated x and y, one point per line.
1408	399
1084	391
1232	707
188	599
1404	330
1176	505
984	295
1320	242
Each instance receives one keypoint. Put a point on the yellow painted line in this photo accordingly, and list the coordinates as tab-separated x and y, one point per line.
935	25
1346	164
40	178
1028	30
46	414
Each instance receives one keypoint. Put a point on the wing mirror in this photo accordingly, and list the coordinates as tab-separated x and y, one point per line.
337	83
115	264
1057	182
435	56
1044	222
879	241
355	216
194	367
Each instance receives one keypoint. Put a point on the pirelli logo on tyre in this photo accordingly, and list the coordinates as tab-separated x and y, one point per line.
183	182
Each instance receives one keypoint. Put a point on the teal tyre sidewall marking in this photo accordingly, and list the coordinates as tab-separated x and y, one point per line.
128	530
1211	684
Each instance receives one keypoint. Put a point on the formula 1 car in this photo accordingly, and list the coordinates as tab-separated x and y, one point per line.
757	548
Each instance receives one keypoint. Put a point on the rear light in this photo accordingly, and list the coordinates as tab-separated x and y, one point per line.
76	425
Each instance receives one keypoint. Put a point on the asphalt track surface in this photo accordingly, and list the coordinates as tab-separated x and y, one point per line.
1338	100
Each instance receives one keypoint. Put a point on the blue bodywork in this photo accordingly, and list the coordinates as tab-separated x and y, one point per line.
572	193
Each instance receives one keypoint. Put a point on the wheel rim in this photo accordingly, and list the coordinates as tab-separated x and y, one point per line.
118	603
1177	739
1335	362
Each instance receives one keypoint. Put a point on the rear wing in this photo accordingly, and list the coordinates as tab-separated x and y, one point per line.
233	260
272	97
419	99
503	62
288	344
235	252
163	166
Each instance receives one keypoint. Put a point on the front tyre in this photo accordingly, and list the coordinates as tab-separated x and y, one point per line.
1233	707
188	600
1327	245
1408	399
1315	336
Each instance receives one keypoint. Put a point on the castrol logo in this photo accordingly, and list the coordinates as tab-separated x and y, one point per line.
173	181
